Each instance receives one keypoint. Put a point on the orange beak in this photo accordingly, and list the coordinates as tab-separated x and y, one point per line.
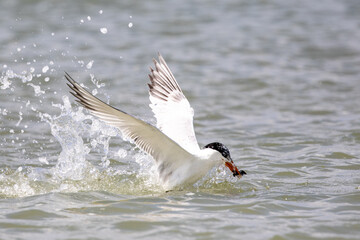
230	164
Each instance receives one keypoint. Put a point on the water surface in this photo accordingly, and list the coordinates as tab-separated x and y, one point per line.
278	82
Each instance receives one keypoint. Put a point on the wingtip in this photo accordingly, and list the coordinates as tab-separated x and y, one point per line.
161	59
151	77
70	86
73	93
69	78
155	62
66	74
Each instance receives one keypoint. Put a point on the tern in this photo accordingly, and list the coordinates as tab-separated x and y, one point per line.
172	143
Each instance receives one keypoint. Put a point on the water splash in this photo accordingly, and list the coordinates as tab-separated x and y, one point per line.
85	161
37	89
5	82
90	64
71	160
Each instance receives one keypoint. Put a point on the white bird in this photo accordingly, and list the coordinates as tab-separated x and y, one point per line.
172	144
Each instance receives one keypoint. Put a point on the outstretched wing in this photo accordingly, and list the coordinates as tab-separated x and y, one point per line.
172	110
167	153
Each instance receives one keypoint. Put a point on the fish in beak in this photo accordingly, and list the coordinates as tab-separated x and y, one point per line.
224	151
230	164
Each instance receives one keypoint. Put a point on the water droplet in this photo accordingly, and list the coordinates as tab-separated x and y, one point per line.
89	65
81	62
43	160
130	25
122	153
88	18
4	112
103	30
45	69
101	12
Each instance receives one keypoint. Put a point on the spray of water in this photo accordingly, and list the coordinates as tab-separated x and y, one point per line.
85	161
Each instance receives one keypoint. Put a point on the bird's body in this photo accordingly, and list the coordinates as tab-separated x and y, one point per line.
188	170
172	144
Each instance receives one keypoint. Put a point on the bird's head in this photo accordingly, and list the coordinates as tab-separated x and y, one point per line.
226	158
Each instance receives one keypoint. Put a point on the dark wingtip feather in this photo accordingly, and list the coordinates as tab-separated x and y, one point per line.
74	94
154	61
71	86
69	78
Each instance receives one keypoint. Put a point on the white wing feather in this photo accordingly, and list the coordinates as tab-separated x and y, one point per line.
167	154
172	110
